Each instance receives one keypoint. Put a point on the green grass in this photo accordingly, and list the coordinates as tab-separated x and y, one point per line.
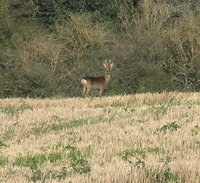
2	144
78	162
38	159
163	176
57	124
8	133
3	160
14	109
70	155
168	127
196	130
89	121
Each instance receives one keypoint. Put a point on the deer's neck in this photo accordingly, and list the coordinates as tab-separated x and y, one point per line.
107	77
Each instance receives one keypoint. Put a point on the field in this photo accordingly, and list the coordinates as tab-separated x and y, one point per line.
143	138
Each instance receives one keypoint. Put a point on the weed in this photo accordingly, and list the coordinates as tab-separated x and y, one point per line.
172	102
38	130
78	162
53	157
8	134
81	122
197	102
29	160
195	130
36	173
169	102
198	144
15	110
55	124
63	174
33	161
166	160
118	104
24	107
125	106
77	123
57	127
2	144
100	105
168	127
163	176
155	150
134	153
73	137
3	160
38	159
159	110
139	154
62	123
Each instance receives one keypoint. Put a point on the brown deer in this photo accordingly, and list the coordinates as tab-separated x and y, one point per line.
97	83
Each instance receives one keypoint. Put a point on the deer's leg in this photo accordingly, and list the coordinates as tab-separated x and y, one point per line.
101	92
87	92
84	91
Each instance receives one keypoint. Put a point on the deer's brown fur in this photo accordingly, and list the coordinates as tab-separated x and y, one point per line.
97	83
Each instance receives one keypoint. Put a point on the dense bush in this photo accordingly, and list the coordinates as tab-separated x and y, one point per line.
46	47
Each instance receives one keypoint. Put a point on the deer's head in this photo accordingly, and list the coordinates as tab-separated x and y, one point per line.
108	64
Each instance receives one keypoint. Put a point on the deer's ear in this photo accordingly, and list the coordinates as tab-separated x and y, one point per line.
104	64
111	65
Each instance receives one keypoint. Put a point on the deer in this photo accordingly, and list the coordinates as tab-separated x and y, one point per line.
97	83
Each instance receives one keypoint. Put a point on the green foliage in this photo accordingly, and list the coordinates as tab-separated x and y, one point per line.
2	144
155	150
164	176
55	124
63	174
135	153
78	162
195	130
33	160
14	110
139	152
183	44
139	155
39	130
57	127
8	133
90	121
168	127
136	157
77	123
159	110
46	47
172	102
3	160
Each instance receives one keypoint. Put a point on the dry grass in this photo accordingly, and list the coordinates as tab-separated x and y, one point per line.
122	139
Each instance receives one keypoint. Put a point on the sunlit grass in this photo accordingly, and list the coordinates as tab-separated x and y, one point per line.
136	138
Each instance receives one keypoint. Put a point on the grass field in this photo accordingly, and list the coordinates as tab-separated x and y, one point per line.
142	138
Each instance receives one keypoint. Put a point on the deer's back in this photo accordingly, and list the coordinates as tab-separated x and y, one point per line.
94	82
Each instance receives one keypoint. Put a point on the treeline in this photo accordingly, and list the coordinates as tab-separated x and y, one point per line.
46	47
